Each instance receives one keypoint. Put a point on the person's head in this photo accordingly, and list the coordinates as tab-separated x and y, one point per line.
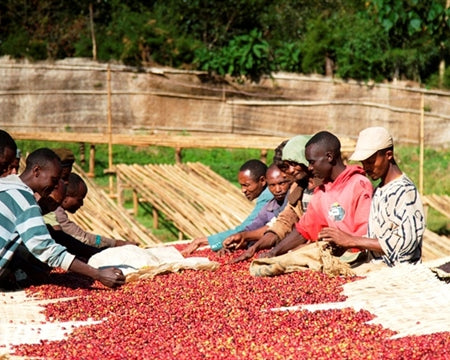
51	202
67	159
14	166
8	149
278	182
375	150
293	157
278	154
75	193
252	178
42	171
323	153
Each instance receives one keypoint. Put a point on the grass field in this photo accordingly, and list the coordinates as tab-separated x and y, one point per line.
227	163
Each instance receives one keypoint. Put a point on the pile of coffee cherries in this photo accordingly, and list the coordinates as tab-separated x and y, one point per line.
222	314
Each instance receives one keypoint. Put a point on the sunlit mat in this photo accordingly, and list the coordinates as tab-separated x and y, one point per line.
408	299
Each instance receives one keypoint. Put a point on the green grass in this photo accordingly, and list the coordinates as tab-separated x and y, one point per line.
227	162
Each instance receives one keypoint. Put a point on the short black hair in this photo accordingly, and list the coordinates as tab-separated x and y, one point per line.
329	142
41	157
73	184
256	167
6	141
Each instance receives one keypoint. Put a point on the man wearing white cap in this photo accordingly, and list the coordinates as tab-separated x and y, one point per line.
396	220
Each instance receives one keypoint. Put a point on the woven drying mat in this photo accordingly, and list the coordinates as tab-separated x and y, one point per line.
22	321
441	267
408	299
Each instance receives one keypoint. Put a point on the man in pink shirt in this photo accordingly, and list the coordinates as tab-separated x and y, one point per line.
342	201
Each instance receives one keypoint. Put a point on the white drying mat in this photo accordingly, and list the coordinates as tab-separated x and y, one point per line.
408	299
22	321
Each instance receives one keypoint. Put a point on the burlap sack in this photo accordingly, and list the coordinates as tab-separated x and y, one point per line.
314	256
138	263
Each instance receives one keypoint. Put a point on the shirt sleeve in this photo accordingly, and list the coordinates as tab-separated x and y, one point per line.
78	233
402	243
35	236
216	240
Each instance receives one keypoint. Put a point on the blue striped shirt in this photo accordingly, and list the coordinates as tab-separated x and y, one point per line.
21	222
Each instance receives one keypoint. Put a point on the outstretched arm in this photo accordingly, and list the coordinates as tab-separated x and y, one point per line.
291	242
268	240
194	245
239	240
110	276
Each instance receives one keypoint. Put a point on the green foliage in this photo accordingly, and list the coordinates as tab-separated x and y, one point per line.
288	57
376	39
245	55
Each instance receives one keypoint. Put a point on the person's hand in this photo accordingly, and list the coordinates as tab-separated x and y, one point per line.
234	242
249	253
223	252
111	277
336	237
194	245
267	254
124	242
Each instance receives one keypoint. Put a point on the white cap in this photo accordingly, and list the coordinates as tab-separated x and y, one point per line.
371	140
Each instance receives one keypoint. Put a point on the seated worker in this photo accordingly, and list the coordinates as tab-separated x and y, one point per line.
252	178
342	201
76	191
20	211
278	184
293	163
396	220
51	203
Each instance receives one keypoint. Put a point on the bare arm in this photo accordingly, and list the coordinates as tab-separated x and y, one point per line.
237	241
347	241
292	241
268	240
194	245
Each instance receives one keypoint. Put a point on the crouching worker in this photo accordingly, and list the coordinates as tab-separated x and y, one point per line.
252	178
396	219
73	200
22	223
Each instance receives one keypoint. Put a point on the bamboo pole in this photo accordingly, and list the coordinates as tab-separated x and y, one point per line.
421	141
91	172
110	160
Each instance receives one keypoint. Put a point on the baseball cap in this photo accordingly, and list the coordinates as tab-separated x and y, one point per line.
294	150
371	140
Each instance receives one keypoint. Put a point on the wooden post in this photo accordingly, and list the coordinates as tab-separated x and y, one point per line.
422	134
119	190
178	155
82	154
110	160
264	156
91	172
135	202
155	218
